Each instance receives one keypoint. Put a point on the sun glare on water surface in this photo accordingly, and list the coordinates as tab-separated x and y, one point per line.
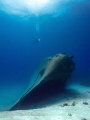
35	7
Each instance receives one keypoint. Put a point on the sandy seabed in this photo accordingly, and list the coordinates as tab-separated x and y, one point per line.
70	106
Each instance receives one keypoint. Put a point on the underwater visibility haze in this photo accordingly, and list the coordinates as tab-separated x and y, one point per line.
31	31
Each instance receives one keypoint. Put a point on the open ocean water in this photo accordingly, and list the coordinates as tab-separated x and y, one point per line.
61	27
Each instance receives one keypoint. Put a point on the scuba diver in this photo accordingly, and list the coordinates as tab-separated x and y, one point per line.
37	40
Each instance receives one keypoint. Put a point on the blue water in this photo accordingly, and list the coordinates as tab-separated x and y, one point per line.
20	57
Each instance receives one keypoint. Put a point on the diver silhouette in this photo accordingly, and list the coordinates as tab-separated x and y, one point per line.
37	40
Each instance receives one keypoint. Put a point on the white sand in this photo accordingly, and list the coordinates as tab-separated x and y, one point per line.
57	111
